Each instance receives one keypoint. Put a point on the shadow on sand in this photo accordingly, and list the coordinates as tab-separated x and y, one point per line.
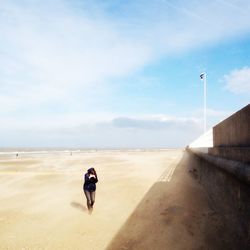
172	215
79	206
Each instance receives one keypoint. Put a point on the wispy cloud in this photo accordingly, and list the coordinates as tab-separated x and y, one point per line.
57	58
53	50
238	81
212	113
102	130
156	122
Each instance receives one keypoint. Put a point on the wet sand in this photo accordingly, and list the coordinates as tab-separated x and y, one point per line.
42	205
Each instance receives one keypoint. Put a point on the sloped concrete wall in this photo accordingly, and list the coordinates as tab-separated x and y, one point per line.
224	171
234	131
229	196
241	154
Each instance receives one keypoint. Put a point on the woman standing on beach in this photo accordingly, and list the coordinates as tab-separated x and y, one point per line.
89	187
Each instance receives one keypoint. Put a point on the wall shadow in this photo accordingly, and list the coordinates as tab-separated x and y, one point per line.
173	215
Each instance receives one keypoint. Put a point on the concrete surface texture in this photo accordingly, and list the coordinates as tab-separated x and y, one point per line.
229	197
241	154
235	130
224	172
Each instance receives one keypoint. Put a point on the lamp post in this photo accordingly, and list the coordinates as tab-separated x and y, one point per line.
203	77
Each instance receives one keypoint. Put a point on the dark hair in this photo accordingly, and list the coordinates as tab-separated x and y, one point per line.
90	170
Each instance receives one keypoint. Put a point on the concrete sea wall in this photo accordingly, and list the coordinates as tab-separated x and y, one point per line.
224	171
234	131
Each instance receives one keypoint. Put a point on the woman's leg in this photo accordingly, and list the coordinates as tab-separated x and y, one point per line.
88	197
92	198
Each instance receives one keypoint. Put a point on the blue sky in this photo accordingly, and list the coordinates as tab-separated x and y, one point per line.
119	73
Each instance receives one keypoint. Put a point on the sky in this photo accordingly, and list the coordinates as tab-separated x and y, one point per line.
119	74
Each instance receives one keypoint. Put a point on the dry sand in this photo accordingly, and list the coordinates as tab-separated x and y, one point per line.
42	205
174	215
144	200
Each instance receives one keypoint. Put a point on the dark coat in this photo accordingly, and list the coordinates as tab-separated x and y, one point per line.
89	183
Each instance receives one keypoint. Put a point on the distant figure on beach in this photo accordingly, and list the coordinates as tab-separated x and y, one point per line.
16	155
89	187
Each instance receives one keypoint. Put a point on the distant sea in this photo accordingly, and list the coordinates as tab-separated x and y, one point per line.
49	150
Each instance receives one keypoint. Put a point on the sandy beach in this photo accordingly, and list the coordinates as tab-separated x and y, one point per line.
42	205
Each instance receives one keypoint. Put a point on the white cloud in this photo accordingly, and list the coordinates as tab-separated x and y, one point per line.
58	58
177	26
155	122
53	45
102	130
213	116
217	113
212	113
76	120
238	81
54	53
